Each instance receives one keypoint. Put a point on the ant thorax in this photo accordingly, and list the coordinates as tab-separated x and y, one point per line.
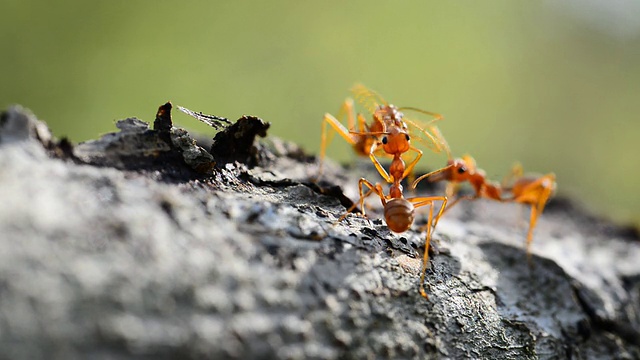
396	170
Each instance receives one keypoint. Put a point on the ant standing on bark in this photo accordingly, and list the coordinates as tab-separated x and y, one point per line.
399	212
533	190
389	134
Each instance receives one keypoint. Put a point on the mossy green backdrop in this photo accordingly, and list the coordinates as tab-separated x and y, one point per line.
555	85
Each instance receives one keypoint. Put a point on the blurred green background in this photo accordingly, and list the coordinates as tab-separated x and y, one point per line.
555	85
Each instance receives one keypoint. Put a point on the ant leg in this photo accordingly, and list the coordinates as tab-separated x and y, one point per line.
362	197
447	207
416	181
374	148
411	176
423	201
340	129
362	123
532	224
409	169
419	202
347	108
379	166
425	257
377	189
536	193
547	183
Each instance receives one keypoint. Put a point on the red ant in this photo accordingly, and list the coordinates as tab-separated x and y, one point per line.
399	212
528	190
388	121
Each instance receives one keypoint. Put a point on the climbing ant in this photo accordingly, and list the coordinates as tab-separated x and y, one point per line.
388	134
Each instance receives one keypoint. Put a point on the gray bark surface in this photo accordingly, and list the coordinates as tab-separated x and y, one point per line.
144	244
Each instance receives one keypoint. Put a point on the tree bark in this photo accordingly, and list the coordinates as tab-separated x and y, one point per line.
143	243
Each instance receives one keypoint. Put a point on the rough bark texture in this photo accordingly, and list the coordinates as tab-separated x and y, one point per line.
144	244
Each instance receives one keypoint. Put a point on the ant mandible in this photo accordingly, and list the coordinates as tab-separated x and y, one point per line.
528	190
388	134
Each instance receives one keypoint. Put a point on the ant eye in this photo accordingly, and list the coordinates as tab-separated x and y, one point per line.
408	138
384	140
462	170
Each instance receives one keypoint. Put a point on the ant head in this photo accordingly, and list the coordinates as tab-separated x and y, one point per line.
460	170
396	141
463	168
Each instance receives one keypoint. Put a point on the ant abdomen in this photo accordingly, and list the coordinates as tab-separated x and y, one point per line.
399	214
